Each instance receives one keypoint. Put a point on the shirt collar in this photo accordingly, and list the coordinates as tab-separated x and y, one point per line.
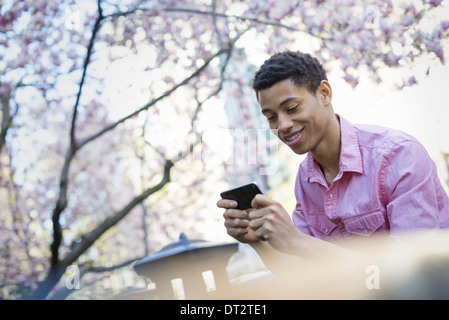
350	155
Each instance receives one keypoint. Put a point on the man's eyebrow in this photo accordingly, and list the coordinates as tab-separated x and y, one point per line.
266	110
287	101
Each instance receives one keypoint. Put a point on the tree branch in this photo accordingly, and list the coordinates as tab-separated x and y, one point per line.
215	92
61	203
6	119
91	237
213	13
90	47
223	15
154	101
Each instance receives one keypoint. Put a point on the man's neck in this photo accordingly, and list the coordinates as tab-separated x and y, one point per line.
327	154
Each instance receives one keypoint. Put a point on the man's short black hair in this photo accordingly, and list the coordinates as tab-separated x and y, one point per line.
302	68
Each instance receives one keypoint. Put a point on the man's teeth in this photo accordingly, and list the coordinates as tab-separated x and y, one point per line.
293	137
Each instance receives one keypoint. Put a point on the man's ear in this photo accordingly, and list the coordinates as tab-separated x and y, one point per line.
324	92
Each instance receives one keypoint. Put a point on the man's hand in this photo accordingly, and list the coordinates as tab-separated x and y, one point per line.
269	221
237	221
268	228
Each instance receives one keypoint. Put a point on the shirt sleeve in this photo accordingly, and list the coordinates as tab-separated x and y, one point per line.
409	187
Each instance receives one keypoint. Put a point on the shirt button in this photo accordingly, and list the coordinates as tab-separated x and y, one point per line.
331	195
326	230
365	231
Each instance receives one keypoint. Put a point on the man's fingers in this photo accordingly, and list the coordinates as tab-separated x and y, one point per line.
236	223
256	214
261	213
237	232
235	214
226	204
261	201
260	221
261	234
255	224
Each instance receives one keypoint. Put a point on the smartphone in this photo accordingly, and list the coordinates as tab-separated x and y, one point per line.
244	195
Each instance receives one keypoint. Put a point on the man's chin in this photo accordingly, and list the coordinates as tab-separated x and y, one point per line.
297	150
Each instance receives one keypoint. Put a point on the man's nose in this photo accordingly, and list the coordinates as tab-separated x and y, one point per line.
285	124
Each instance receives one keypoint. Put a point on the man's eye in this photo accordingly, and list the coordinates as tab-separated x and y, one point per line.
271	118
292	109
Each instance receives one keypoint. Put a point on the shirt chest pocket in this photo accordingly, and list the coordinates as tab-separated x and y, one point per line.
319	225
365	224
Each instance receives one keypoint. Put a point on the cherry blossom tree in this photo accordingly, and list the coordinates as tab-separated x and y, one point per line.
104	102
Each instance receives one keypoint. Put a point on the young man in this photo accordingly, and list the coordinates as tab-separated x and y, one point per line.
356	181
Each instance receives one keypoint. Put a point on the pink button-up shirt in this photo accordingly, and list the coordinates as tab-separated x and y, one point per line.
387	183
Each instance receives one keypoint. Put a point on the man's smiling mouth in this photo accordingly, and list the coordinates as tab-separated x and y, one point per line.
293	136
